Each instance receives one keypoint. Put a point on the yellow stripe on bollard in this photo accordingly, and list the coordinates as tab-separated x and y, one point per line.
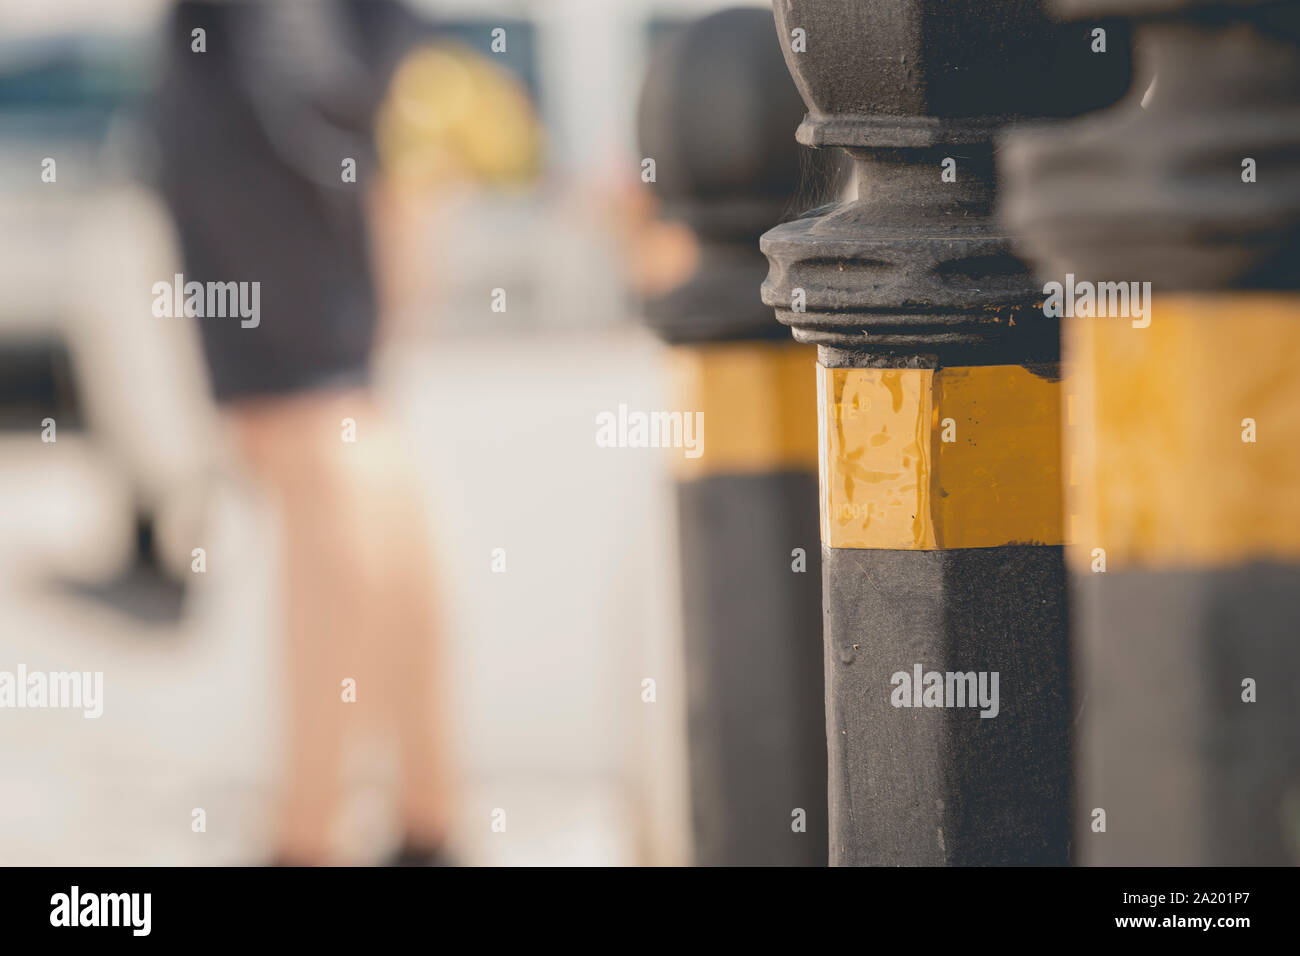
922	459
759	401
1188	441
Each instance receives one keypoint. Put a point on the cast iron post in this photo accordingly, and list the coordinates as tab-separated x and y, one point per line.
717	114
946	657
1186	430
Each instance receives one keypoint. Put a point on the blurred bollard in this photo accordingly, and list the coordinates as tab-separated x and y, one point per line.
1185	437
717	114
947	665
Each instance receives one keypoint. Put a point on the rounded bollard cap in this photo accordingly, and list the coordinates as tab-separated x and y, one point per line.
717	114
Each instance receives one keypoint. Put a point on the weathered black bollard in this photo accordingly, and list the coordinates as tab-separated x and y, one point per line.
948	711
1178	219
717	114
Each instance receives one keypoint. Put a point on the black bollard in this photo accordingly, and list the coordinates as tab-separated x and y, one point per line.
1177	212
717	114
946	652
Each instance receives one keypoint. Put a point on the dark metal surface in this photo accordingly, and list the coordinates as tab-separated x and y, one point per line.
1156	193
917	272
945	786
753	669
1187	772
717	114
915	263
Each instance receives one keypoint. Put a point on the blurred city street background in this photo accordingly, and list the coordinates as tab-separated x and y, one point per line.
497	411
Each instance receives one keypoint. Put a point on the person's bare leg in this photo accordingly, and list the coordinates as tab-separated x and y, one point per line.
407	595
425	792
405	613
293	447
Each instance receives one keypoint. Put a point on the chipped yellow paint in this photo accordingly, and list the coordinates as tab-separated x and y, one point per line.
890	481
876	427
1163	477
759	401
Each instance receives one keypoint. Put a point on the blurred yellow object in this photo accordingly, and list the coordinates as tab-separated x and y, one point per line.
452	115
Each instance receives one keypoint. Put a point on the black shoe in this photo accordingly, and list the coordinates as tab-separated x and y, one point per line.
414	854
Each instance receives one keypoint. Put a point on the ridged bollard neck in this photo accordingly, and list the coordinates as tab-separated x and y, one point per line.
917	93
717	115
1192	182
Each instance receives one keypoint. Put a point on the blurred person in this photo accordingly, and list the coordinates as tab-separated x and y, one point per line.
256	118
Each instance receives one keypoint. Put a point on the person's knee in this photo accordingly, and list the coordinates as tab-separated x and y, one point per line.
295	442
